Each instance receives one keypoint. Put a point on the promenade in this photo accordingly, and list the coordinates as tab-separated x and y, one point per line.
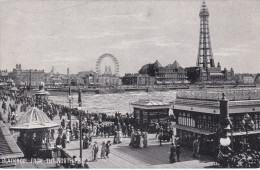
123	156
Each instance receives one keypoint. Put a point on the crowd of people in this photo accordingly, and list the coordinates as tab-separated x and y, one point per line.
249	158
102	125
139	139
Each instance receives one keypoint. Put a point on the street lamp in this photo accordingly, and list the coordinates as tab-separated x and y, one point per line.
225	140
80	125
225	124
70	98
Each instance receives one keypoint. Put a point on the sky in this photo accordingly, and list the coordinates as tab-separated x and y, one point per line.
39	34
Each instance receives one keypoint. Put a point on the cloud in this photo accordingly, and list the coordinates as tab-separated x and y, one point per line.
138	17
143	27
235	50
98	35
155	41
59	58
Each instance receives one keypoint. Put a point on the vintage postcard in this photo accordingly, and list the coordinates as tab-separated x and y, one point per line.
133	84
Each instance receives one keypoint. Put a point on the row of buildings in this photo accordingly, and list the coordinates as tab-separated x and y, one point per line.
155	73
33	77
148	75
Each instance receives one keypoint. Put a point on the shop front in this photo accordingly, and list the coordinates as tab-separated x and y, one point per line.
147	113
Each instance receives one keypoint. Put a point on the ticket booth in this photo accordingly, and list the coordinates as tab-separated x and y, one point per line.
149	112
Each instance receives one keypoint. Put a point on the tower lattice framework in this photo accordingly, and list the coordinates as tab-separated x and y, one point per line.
205	56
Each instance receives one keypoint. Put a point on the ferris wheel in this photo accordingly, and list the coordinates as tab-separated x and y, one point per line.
115	61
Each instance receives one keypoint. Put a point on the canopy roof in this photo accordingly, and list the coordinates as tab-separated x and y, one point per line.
34	119
151	104
14	89
42	92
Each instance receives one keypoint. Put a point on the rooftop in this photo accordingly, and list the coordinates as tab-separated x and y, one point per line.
148	103
34	119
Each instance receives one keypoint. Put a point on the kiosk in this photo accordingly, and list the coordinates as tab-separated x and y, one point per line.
34	127
148	112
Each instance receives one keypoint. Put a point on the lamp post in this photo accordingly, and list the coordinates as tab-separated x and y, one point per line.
225	124
70	98
80	126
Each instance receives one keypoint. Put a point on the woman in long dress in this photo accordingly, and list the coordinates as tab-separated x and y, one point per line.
141	140
120	136
145	136
94	130
103	150
68	136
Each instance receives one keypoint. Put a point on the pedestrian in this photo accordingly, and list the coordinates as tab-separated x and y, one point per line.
95	151
116	138
59	141
68	135
103	149
132	138
178	151
157	127
141	140
172	135
120	136
177	140
52	134
124	129
145	136
160	135
196	148
108	144
172	155
64	140
137	139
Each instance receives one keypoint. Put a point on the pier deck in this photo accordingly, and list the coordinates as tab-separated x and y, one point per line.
123	156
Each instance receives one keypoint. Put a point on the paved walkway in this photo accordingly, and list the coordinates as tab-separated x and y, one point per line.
123	156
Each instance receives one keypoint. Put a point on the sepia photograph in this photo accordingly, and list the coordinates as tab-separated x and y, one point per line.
129	84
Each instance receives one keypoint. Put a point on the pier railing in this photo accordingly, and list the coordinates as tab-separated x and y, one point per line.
216	94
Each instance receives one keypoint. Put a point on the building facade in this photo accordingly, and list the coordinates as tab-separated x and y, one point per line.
150	69
27	77
246	79
145	80
148	112
4	75
171	74
198	115
130	79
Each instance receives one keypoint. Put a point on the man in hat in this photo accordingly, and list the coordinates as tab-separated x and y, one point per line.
108	144
172	155
196	148
95	151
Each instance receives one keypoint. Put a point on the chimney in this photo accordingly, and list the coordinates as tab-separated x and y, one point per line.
68	71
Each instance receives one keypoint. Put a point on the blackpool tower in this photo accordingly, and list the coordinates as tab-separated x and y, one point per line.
205	56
